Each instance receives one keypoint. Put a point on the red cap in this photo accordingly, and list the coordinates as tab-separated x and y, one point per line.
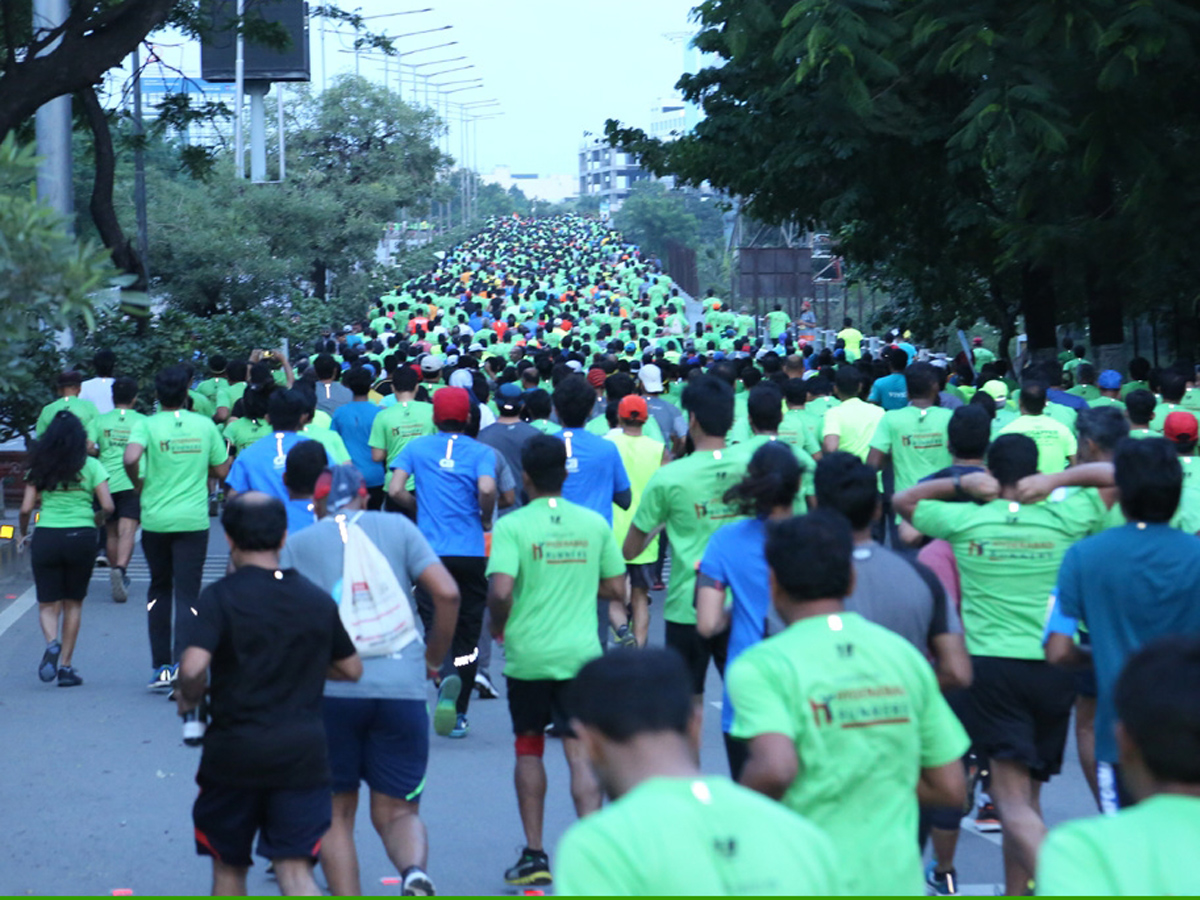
1180	426
452	404
596	377
633	407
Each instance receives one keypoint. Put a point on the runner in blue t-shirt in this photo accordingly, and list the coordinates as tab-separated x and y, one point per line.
260	466
455	483
596	476
353	422
735	561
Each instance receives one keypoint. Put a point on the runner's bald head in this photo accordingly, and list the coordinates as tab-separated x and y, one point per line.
255	521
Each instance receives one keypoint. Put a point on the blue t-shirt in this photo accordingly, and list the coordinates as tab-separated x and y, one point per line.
1129	585
260	468
595	473
447	468
736	557
353	422
1054	395
890	392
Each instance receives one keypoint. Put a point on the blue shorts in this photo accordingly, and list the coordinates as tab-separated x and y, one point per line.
289	822
382	742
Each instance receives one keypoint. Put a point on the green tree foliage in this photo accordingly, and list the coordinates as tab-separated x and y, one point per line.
983	158
47	286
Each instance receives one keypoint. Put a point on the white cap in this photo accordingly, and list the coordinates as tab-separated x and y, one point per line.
650	376
461	378
574	365
475	348
431	363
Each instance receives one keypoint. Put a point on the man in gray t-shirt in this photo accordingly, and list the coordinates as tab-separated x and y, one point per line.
379	731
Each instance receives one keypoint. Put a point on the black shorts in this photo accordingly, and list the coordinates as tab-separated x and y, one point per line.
697	651
62	560
382	742
127	506
640	576
535	704
1020	709
289	822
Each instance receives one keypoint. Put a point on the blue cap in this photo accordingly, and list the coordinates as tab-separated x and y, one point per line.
508	395
1109	380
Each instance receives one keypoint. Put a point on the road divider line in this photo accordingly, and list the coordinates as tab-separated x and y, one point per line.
19	607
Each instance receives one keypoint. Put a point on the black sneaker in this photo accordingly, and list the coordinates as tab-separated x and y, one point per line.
415	882
484	686
532	868
48	667
68	677
942	883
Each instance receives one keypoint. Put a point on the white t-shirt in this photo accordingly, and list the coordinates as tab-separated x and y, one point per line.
99	391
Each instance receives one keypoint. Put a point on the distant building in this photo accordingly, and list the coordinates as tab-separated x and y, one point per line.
204	134
607	173
551	188
671	117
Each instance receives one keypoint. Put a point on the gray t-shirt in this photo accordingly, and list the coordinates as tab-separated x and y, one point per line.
317	554
331	396
670	420
902	596
508	439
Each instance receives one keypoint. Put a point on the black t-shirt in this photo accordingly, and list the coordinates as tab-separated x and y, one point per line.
273	635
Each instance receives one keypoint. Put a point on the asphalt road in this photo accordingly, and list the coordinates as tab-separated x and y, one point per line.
96	785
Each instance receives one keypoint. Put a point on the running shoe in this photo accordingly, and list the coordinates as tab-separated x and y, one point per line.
622	637
658	585
461	727
416	883
48	667
161	680
532	868
119	582
483	684
445	714
943	883
101	560
68	677
986	819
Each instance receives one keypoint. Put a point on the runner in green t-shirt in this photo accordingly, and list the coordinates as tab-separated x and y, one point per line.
400	423
110	434
915	437
801	426
69	383
671	831
851	424
687	496
182	450
1056	443
1147	849
63	480
642	457
845	720
1008	555
764	409
549	561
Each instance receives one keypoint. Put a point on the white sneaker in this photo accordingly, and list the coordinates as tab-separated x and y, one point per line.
416	883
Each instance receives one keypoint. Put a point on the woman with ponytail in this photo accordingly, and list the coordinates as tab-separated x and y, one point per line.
735	563
63	481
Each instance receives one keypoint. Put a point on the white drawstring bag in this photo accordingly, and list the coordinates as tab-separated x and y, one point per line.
374	608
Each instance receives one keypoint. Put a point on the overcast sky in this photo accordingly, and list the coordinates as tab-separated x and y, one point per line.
558	67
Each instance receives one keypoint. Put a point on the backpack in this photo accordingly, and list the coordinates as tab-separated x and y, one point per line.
373	606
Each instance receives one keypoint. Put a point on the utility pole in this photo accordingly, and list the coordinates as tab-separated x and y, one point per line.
139	169
53	125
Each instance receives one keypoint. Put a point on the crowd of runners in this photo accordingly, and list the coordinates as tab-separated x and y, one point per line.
910	572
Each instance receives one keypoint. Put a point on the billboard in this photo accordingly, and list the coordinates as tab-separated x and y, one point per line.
218	52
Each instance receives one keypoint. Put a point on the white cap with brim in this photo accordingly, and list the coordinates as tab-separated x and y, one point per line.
651	378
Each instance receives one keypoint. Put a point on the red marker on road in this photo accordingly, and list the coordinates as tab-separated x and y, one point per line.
123	892
390	880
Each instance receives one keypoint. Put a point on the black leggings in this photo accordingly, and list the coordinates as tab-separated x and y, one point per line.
469	574
176	561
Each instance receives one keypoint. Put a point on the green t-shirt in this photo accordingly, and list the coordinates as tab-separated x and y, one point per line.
1008	555
853	338
801	428
1088	392
241	433
818	406
854	422
743	451
1106	401
864	710
1061	413
217	392
71	506
557	552
917	441
1147	850
1127	389
84	409
1161	412
545	426
330	440
703	836
396	425
180	446
202	404
687	495
1054	440
110	433
642	457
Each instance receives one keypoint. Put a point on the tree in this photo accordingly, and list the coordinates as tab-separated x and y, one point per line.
48	282
992	157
